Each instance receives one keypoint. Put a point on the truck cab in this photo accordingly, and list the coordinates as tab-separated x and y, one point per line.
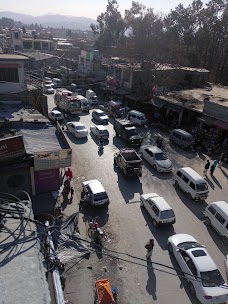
129	161
125	129
92	97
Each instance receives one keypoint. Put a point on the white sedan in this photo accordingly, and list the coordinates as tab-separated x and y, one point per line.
204	279
48	89
77	129
99	131
156	157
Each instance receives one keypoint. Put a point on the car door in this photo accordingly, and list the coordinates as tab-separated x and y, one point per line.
218	222
148	204
183	259
150	157
154	212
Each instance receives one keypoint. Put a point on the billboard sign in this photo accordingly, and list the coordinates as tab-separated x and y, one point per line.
11	147
52	159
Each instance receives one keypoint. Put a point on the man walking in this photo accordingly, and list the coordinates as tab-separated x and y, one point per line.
149	246
207	166
69	174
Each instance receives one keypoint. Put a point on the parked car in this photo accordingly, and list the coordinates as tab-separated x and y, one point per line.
56	82
100	116
48	81
77	129
159	210
156	158
203	276
48	89
181	138
56	115
94	193
99	131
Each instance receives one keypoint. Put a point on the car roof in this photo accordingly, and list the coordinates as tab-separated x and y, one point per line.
153	149
221	206
56	112
161	203
98	111
136	112
75	123
183	132
202	260
192	173
101	128
95	186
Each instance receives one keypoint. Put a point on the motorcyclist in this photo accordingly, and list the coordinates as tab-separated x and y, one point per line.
101	142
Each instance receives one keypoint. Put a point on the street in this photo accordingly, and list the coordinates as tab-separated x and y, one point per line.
128	225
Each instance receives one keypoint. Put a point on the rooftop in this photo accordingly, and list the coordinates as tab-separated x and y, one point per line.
37	55
23	279
12	57
194	98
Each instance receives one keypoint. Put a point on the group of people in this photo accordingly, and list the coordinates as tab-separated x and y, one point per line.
213	165
68	188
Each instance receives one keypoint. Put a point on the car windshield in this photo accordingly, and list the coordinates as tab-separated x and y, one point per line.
79	128
132	132
212	278
160	156
166	214
101	114
189	245
58	115
143	117
75	104
201	187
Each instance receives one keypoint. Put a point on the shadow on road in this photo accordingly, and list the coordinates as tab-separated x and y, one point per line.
151	282
161	234
196	207
73	139
217	239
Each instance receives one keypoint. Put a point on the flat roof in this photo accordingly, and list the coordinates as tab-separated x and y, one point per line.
12	57
23	278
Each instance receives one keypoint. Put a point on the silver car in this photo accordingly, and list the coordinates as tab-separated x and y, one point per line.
156	157
99	131
77	129
100	116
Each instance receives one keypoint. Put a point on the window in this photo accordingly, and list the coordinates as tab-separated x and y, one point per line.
16	35
192	185
9	74
155	209
15	181
149	152
185	179
212	210
179	174
133	115
192	267
220	218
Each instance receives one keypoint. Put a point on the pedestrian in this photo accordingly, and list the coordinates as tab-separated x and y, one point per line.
207	166
221	160
69	174
149	246
71	192
213	166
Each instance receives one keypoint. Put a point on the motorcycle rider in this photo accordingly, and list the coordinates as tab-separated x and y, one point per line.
101	142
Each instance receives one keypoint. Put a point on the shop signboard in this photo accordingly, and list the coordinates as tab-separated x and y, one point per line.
52	159
11	147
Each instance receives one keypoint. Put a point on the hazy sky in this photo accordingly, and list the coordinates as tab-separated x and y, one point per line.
85	8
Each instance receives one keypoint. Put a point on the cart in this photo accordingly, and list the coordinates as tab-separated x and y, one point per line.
105	293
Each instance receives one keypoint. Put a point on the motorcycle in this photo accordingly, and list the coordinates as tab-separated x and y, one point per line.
94	228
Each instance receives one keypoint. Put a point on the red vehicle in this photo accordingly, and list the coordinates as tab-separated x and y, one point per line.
68	101
115	109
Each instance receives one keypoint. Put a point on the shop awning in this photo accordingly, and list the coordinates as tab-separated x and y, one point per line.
159	103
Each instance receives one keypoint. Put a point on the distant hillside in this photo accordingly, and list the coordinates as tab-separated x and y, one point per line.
71	22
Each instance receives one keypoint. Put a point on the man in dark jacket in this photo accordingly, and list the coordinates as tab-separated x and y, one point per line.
149	246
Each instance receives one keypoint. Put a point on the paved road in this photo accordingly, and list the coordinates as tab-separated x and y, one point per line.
129	226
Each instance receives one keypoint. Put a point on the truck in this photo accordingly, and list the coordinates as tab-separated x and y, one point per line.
115	109
129	162
124	128
91	96
67	101
84	102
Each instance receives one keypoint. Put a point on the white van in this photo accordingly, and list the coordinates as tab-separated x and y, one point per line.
137	117
216	215
84	102
91	96
159	210
94	193
181	138
192	183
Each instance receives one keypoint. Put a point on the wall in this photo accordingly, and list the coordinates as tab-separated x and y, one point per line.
216	110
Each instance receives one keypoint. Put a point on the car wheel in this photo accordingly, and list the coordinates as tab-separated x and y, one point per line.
192	288
207	221
170	248
155	168
155	223
189	196
176	184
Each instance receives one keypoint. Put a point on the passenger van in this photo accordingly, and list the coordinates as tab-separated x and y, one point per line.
216	215
137	117
84	102
192	183
94	193
181	138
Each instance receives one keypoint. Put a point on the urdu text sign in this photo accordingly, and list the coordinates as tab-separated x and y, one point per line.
52	159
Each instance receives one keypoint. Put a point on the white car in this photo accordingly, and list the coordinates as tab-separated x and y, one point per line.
100	116
56	115
48	89
159	210
77	129
204	279
99	131
48	81
156	157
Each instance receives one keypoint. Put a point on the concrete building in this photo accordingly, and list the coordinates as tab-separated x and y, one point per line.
12	74
36	42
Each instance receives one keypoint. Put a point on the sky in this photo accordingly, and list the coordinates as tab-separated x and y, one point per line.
82	8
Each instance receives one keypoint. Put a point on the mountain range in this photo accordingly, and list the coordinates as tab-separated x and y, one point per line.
53	20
